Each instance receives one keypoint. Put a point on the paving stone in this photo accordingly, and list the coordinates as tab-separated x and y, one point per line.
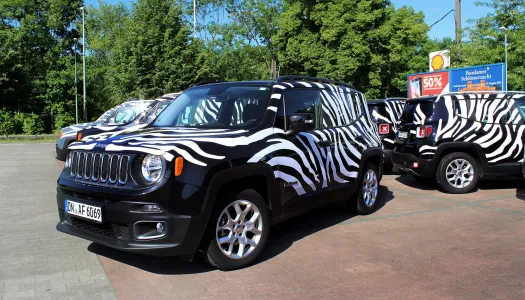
38	262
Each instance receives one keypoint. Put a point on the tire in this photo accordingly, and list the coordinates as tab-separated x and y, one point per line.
216	255
359	203
469	172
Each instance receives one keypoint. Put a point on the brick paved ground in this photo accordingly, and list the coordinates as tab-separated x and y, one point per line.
422	244
36	261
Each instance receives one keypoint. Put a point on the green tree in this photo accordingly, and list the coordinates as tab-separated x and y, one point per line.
367	42
484	41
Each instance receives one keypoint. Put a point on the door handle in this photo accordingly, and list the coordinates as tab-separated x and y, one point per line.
325	143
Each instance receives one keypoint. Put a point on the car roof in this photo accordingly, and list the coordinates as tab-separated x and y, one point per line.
382	101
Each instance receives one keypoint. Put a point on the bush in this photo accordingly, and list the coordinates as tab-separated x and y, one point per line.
19	122
7	125
33	124
63	120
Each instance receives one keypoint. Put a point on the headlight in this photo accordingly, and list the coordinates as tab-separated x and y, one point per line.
152	167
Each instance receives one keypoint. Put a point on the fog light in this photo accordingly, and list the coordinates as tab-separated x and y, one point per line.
149	230
415	165
160	228
150	208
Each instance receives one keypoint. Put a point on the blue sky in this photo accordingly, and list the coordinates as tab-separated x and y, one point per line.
433	10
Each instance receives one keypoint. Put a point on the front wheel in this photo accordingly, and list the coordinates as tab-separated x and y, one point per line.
365	201
237	231
457	173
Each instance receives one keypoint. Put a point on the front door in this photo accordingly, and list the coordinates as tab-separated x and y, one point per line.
301	158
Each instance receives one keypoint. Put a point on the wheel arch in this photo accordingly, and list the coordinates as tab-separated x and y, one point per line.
471	149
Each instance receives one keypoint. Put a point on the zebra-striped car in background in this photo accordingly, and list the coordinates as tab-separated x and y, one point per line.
220	165
386	113
458	138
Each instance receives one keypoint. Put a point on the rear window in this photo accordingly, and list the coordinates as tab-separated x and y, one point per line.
411	110
375	110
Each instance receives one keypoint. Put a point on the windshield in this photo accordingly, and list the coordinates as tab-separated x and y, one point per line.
217	106
127	114
154	112
105	116
411	108
376	111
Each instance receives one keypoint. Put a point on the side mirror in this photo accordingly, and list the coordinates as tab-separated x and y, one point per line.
301	122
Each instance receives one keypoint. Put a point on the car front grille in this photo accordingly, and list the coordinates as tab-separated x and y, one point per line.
99	168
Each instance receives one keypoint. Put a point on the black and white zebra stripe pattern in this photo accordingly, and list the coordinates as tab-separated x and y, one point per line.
494	114
299	161
394	110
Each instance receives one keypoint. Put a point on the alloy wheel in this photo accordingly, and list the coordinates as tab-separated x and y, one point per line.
239	229
459	173
370	187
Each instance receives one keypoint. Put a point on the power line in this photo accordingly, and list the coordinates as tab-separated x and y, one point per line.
441	18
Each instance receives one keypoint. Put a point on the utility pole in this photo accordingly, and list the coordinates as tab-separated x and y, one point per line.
458	21
76	85
84	59
194	19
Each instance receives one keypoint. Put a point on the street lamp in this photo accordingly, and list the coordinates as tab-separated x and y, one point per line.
75	40
84	59
504	29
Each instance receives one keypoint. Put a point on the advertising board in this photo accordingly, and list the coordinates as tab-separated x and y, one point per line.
426	84
478	78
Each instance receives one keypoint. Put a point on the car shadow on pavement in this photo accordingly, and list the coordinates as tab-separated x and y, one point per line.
282	237
153	264
285	234
426	184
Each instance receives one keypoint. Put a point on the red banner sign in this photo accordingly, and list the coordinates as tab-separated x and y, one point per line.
427	84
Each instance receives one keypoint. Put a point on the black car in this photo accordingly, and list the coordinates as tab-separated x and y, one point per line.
458	138
386	113
219	166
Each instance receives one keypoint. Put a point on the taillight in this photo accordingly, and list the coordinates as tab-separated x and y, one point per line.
424	131
384	128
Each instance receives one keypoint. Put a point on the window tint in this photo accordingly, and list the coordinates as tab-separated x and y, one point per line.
296	101
410	113
377	110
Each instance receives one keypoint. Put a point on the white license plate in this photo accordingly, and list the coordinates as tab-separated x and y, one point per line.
85	211
403	135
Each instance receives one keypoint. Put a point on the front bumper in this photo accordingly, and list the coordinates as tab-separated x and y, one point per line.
60	153
405	162
183	233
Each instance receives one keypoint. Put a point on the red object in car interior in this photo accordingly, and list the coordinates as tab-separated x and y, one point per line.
384	128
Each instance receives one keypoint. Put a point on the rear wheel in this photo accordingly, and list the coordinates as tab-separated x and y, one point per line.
237	231
458	173
365	201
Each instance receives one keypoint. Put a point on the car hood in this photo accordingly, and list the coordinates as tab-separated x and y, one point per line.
190	143
73	129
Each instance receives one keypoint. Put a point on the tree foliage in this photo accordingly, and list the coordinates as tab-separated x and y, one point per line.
145	49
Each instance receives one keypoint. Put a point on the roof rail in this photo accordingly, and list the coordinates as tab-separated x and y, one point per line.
312	79
206	82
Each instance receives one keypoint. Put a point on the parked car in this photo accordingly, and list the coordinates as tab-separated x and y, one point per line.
128	118
68	134
104	123
458	138
386	113
186	184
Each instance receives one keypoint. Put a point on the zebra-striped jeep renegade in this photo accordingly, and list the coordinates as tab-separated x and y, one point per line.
458	138
219	166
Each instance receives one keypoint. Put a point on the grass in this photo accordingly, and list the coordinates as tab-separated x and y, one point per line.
28	141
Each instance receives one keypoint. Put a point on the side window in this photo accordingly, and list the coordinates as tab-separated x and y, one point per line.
296	101
342	108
